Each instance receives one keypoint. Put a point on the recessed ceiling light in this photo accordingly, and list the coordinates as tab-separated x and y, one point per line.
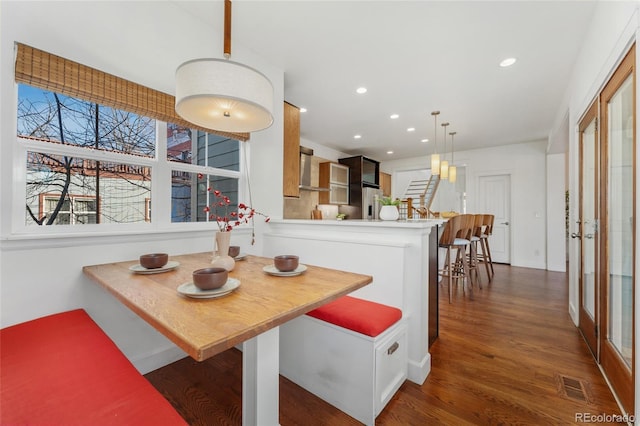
424	140
361	90
411	129
389	152
303	110
357	136
508	62
394	116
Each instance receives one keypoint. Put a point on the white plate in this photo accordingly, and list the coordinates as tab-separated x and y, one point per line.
241	256
139	269
189	289
272	270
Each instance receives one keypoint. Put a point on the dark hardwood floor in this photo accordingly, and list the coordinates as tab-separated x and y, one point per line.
510	356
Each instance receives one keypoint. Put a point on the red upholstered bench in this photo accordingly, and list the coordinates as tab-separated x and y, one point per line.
350	352
63	369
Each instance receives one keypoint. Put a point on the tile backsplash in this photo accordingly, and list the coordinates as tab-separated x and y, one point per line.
300	208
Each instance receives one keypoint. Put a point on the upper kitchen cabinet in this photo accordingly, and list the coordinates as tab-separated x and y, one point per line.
291	151
335	177
385	184
363	171
364	181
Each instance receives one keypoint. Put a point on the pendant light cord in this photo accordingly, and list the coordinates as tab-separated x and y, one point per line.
435	131
248	180
452	133
444	125
435	157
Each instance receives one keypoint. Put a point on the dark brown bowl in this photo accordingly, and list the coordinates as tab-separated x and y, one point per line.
286	263
210	278
234	251
154	260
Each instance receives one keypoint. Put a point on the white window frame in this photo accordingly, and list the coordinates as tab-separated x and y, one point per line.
161	169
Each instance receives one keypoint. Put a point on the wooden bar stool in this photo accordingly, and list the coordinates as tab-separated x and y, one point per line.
485	257
457	236
476	235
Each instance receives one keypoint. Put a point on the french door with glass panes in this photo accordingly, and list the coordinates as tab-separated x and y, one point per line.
587	234
617	233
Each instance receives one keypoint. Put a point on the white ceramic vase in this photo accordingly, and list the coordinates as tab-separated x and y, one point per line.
221	256
389	213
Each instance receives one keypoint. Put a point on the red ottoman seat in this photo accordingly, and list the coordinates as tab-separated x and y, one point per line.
351	352
63	369
362	316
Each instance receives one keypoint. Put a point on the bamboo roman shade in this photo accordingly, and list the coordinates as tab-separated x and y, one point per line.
50	72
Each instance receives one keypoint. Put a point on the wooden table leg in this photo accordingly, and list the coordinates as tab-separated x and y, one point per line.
260	370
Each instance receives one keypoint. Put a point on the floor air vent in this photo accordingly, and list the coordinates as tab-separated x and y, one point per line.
573	388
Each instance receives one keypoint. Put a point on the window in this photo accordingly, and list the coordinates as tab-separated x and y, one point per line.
91	164
118	189
191	189
210	150
61	129
95	144
52	117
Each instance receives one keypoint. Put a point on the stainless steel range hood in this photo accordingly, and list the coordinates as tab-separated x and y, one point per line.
305	170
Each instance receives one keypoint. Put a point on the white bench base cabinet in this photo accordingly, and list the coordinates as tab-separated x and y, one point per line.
351	371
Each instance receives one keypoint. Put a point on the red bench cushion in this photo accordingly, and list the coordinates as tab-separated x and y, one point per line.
362	316
63	369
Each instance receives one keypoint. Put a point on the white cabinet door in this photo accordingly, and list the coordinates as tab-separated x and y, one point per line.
339	194
339	174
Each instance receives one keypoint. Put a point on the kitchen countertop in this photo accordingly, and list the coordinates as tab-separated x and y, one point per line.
414	223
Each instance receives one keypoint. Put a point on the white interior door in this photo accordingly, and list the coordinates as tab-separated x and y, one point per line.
495	198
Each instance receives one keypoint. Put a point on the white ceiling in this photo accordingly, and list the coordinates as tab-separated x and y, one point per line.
415	57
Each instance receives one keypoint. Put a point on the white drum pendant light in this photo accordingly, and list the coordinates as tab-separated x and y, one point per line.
223	95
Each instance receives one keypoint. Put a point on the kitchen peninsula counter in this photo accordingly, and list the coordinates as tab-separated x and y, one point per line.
395	253
377	223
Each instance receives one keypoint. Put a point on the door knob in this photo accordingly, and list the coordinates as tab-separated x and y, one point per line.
504	223
588	236
575	235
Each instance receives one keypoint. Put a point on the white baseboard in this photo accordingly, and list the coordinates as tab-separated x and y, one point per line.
418	372
157	359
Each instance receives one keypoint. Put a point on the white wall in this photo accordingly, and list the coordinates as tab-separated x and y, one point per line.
143	42
323	151
556	242
526	163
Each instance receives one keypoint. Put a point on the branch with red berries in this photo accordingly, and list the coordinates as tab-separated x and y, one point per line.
228	220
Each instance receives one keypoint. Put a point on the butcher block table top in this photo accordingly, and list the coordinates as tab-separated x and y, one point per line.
206	327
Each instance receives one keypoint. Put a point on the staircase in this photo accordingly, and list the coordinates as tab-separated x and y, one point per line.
421	193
